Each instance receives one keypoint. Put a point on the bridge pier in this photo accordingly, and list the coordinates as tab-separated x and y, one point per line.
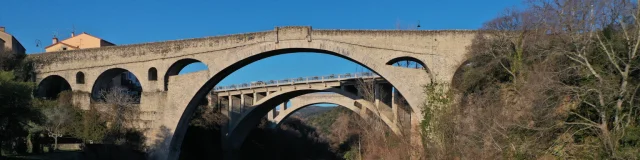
284	106
242	103
81	99
271	115
259	96
236	108
394	106
223	104
377	94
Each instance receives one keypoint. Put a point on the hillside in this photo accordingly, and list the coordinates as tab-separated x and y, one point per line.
312	110
324	119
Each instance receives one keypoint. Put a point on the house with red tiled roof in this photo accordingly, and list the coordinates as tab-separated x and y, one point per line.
80	41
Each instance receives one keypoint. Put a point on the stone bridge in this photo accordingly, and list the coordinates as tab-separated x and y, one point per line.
171	99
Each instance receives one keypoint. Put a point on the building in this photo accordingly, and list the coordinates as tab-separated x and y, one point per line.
81	41
1	46
11	43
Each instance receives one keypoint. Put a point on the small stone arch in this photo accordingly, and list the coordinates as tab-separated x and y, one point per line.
458	78
79	78
175	69
411	62
152	75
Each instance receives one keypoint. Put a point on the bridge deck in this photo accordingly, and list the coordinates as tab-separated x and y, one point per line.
294	81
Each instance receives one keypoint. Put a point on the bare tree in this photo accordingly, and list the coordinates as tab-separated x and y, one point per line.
376	140
574	57
509	39
341	129
602	40
121	109
57	117
368	91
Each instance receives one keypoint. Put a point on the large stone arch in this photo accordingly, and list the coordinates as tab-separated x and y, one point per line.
371	58
51	86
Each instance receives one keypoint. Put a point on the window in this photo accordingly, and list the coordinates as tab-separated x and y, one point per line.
79	78
64	48
153	74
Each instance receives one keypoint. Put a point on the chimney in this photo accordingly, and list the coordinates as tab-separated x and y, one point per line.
2	29
73	34
55	40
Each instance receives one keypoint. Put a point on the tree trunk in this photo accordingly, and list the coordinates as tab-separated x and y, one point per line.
55	143
29	143
37	144
1	154
606	137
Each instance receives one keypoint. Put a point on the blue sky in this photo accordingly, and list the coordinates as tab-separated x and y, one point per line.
139	21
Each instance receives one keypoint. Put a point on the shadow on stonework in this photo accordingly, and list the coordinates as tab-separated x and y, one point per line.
159	149
121	145
293	139
203	139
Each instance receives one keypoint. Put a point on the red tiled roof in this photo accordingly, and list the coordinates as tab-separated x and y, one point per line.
60	43
76	36
97	38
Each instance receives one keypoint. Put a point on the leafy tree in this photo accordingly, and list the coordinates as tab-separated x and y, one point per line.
8	59
93	127
323	121
15	110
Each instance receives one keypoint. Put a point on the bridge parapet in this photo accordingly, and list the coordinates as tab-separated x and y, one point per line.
290	81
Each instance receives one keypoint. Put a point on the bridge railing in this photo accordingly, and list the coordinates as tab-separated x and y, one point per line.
290	81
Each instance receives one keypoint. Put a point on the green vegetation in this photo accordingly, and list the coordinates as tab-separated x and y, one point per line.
32	126
436	124
353	137
16	111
